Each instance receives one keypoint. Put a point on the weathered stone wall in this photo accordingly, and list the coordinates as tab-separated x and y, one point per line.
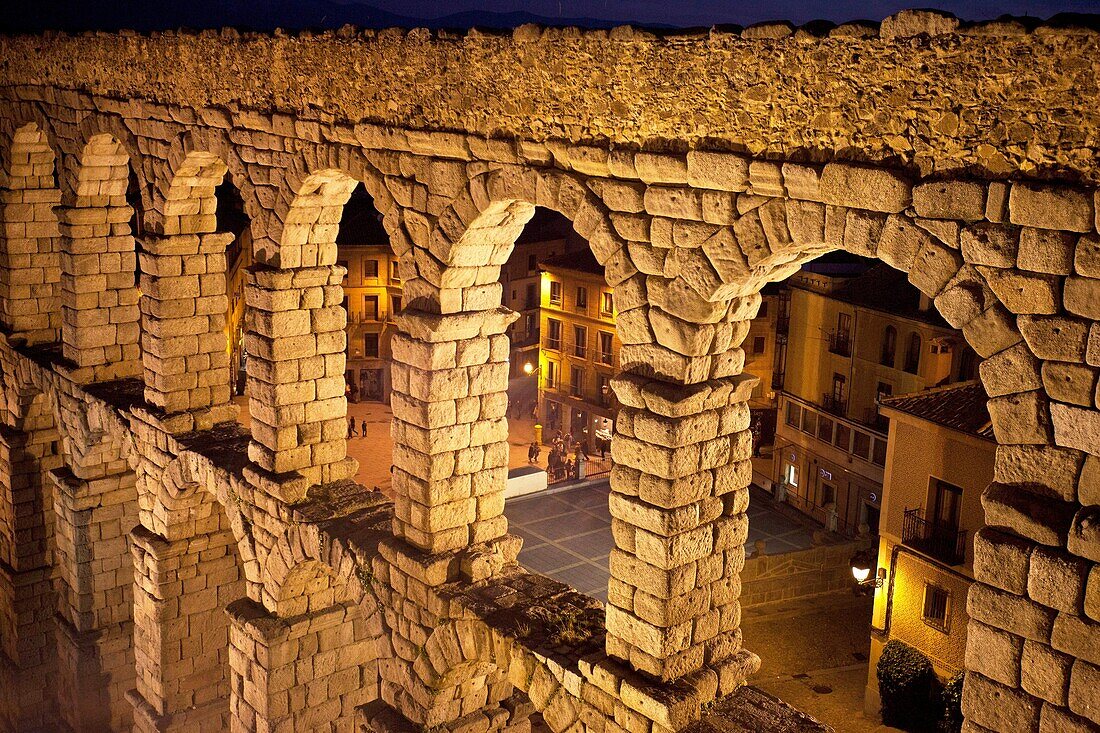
444	625
992	98
798	574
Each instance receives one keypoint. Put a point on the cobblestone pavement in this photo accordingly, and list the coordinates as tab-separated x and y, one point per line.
814	654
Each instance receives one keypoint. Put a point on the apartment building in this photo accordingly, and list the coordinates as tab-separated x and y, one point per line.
579	350
939	461
853	339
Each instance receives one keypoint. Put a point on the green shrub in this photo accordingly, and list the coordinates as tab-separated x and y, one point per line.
952	719
905	683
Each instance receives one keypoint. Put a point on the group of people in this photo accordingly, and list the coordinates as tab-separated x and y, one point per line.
564	454
351	429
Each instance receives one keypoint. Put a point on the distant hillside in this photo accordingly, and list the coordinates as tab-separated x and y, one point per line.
260	15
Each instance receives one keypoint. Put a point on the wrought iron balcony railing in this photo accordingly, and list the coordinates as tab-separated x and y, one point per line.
840	343
943	542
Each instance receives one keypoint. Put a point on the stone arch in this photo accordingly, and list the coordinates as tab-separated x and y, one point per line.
184	299
100	293
29	263
300	268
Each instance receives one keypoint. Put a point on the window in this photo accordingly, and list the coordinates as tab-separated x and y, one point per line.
884	390
825	429
582	299
607	303
827	495
843	437
889	346
395	304
790	475
553	333
553	415
555	292
531	297
395	271
968	364
794	414
576	381
840	341
809	421
370	344
879	456
758	345
531	324
370	268
532	263
945	504
551	374
606	339
912	356
370	307
839	394
936	603
580	341
861	445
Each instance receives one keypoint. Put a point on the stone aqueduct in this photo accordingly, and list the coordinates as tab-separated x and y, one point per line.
161	565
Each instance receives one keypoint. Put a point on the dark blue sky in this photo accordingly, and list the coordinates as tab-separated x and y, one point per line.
710	12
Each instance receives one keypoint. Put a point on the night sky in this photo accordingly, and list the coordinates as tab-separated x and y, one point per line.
265	15
742	12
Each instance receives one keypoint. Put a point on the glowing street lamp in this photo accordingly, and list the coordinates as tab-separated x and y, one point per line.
862	563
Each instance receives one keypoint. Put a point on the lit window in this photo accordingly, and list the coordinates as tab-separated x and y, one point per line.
606	356
553	334
582	299
607	303
395	271
555	292
580	342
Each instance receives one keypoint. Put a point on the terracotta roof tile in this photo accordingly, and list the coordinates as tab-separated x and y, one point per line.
960	406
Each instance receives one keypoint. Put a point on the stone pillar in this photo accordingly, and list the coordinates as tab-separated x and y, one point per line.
450	431
29	265
679	493
183	324
93	517
27	600
99	293
296	346
300	673
181	632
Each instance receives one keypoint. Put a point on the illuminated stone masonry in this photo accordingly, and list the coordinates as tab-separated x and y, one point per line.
163	568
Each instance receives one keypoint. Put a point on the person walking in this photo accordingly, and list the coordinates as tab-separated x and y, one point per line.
351	427
363	429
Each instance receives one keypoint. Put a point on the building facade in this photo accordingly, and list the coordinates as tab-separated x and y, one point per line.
940	460
579	351
372	295
853	340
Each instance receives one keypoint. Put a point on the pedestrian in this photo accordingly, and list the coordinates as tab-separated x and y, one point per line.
351	427
364	429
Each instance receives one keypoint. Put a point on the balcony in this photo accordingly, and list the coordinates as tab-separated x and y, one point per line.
942	542
840	343
830	403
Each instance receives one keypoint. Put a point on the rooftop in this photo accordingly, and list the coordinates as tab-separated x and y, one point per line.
582	261
884	289
960	406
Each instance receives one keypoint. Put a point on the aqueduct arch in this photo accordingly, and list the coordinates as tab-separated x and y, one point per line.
690	210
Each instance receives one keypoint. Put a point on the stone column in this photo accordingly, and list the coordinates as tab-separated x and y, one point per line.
679	493
183	325
450	431
299	673
296	356
93	517
181	632
99	293
29	265
27	600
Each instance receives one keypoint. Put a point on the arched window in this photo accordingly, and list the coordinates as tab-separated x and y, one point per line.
912	357
889	346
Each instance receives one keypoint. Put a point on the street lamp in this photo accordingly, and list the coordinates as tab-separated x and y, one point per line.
862	563
528	368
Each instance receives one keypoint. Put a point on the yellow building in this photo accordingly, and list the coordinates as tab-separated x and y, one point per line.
521	282
579	350
940	460
372	295
853	339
